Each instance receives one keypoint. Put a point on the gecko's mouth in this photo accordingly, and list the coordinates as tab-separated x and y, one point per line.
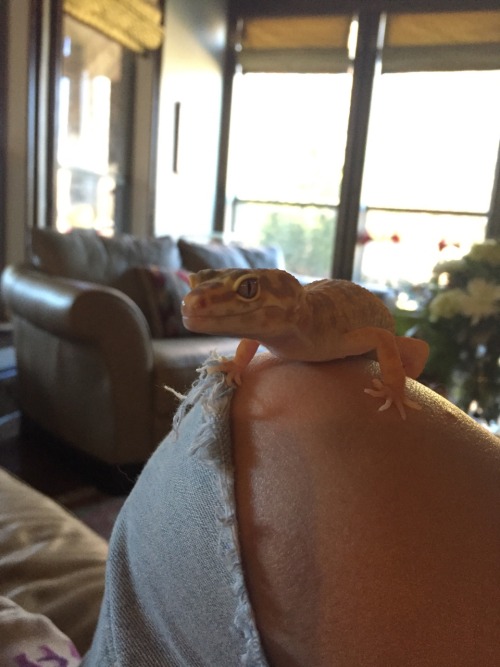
214	323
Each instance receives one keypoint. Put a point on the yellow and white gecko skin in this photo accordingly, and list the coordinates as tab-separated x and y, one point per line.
321	321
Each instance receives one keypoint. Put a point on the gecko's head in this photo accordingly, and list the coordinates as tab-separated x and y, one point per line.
240	302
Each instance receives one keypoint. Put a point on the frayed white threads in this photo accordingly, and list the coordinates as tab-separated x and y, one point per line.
173	391
215	397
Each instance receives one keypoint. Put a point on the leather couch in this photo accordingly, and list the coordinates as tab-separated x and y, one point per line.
98	335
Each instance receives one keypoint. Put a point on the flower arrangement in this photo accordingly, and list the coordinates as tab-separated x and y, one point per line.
463	329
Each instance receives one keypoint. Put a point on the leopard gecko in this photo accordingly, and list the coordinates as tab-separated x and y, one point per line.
319	321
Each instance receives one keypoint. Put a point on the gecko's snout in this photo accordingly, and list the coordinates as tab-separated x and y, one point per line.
193	303
195	310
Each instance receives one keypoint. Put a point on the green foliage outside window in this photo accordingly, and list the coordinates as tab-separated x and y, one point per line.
306	240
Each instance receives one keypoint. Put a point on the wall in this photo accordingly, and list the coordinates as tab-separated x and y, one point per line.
191	80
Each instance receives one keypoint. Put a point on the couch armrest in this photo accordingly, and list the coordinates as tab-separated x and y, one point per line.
63	328
72	309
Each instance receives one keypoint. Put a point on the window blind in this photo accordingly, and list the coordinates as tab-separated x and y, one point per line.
431	41
442	41
294	44
135	24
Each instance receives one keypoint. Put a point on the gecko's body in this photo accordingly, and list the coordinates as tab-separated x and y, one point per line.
322	321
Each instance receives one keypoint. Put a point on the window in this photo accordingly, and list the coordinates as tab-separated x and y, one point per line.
92	114
93	143
432	149
292	131
288	137
423	177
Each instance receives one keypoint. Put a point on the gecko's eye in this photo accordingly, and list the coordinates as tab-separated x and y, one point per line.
248	288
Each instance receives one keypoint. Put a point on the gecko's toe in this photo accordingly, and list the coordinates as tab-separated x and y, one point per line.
412	404
390	397
218	366
233	379
402	412
380	391
386	405
232	372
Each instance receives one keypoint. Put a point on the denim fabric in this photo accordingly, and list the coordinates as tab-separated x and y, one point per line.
175	594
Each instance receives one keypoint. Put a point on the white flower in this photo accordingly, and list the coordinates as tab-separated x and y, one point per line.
481	300
446	304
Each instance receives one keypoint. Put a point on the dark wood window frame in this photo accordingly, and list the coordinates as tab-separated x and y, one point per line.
45	37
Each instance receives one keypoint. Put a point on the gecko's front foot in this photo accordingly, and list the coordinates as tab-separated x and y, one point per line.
230	369
385	392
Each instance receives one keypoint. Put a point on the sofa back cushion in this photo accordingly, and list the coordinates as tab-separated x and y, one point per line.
84	255
214	255
159	293
265	257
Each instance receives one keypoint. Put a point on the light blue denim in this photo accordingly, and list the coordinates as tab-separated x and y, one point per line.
175	591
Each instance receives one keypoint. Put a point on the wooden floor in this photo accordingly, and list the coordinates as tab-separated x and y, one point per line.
36	461
53	467
53	470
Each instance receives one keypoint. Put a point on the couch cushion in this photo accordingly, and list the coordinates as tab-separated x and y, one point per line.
266	257
199	256
84	255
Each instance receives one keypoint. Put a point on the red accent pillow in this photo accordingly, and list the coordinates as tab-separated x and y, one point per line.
168	290
159	293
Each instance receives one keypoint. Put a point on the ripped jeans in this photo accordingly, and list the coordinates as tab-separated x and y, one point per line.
175	591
